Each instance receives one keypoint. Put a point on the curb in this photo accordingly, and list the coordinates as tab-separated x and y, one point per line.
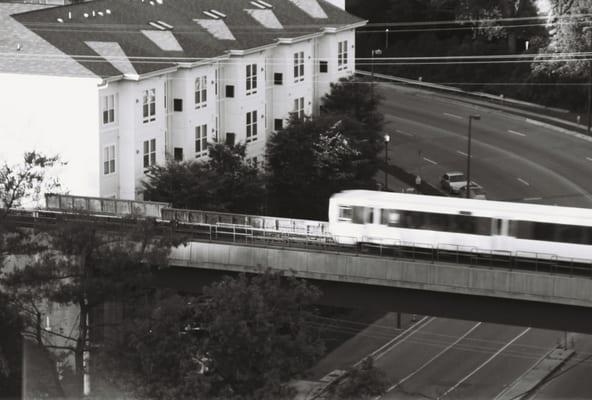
509	393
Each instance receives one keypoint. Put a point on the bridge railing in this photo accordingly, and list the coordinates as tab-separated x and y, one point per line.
258	222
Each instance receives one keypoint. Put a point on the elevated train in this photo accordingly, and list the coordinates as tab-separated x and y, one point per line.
394	219
518	229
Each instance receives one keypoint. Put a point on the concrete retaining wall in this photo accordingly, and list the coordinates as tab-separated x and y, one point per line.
371	270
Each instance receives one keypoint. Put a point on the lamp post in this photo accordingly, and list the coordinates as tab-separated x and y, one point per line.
373	53
468	186
387	139
588	30
386	32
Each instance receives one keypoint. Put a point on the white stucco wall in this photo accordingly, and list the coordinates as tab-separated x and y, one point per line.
53	115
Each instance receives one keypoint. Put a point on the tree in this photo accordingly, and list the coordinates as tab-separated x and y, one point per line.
570	34
225	182
363	382
353	97
312	158
489	15
85	265
259	333
19	183
26	181
244	338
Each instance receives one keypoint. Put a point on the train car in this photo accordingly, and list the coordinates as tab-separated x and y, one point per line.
104	206
519	229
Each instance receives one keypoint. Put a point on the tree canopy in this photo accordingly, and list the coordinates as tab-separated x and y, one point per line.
312	158
225	182
85	265
244	338
363	382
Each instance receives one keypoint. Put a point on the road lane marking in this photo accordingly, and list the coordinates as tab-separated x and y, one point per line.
462	153
412	329
453	115
589	158
523	181
532	198
484	363
516	132
404	133
430	161
433	358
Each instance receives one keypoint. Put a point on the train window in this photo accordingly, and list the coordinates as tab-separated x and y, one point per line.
362	215
437	222
553	232
345	214
390	217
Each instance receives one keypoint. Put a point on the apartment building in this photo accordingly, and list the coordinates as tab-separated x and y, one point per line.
115	86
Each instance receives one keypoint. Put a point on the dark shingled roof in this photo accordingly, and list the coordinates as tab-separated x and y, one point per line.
127	19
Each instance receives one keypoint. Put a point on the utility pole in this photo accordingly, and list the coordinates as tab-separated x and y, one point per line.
468	185
373	53
387	139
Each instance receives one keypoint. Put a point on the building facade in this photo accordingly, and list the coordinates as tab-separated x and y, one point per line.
134	83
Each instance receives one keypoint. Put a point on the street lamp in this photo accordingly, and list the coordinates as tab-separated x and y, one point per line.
588	30
373	53
468	186
386	31
387	139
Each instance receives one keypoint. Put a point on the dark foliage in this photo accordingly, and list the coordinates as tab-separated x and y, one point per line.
226	182
362	382
243	339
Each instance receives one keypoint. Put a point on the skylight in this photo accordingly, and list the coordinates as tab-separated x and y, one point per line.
258	4
163	26
311	7
114	54
216	28
218	13
210	14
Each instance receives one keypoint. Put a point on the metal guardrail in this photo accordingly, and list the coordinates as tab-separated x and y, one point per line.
100	205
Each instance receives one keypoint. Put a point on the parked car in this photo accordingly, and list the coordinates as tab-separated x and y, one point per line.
475	191
453	181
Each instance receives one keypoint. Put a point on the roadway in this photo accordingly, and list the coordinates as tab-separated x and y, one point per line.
515	160
455	359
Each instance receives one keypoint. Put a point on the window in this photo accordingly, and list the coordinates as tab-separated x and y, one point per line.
201	91
216	82
251	126
323	66
299	66
178	154
149	152
149	105
299	107
108	109
230	138
109	159
201	140
278	78
251	79
437	222
278	124
342	55
229	91
178	104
